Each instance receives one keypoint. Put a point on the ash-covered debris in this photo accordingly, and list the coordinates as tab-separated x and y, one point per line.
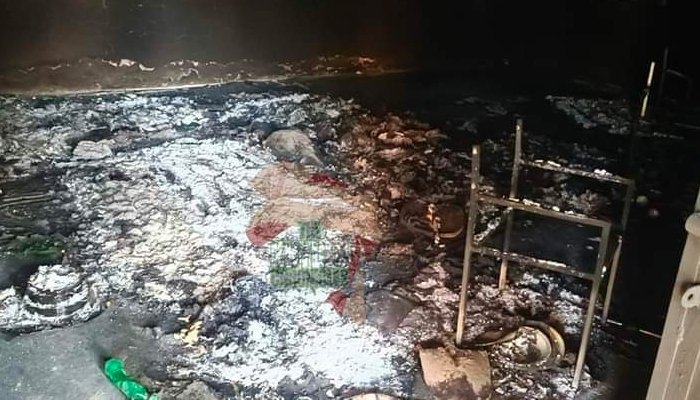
612	115
293	145
259	337
164	211
55	295
538	296
393	159
172	229
168	195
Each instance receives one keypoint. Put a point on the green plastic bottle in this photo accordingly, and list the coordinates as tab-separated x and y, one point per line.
114	369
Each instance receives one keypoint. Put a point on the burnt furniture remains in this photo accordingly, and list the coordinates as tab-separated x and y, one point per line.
611	236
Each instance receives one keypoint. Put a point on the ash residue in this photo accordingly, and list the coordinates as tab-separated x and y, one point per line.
613	115
259	337
159	188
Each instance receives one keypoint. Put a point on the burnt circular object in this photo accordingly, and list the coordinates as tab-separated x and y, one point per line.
56	292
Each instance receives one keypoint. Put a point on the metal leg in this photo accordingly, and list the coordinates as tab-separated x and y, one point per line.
628	205
662	76
517	155
588	323
647	90
611	280
471	224
616	256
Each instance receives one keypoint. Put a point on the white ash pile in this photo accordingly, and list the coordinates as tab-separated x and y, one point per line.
146	180
265	339
173	225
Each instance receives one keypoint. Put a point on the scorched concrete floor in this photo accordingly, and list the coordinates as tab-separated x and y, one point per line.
244	241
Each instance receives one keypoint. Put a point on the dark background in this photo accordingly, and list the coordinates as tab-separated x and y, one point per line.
608	40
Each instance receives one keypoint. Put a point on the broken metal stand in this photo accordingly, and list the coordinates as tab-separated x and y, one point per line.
513	203
666	72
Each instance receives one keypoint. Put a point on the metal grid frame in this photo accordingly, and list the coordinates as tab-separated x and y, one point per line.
512	204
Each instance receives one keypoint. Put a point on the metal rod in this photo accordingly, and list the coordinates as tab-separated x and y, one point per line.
628	205
535	262
677	73
611	280
662	76
588	323
651	73
471	224
517	156
577	172
652	334
687	126
572	217
618	251
645	100
642	331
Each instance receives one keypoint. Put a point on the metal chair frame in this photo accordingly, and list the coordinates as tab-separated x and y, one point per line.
513	203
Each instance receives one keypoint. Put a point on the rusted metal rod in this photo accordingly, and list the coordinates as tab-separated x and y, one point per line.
534	262
545	212
588	322
578	172
517	156
471	224
611	280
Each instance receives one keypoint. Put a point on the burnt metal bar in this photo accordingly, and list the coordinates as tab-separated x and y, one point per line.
688	80
647	91
662	77
687	126
517	156
618	250
628	205
534	262
535	209
611	279
665	70
471	223
588	323
578	172
642	331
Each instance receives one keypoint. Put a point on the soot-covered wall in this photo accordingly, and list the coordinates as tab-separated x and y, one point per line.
607	39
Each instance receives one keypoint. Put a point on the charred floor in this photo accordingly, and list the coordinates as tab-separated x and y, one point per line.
260	240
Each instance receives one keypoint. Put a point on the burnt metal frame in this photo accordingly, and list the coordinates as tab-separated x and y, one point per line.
512	204
665	70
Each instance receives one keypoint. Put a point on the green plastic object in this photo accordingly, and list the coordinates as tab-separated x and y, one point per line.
114	369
